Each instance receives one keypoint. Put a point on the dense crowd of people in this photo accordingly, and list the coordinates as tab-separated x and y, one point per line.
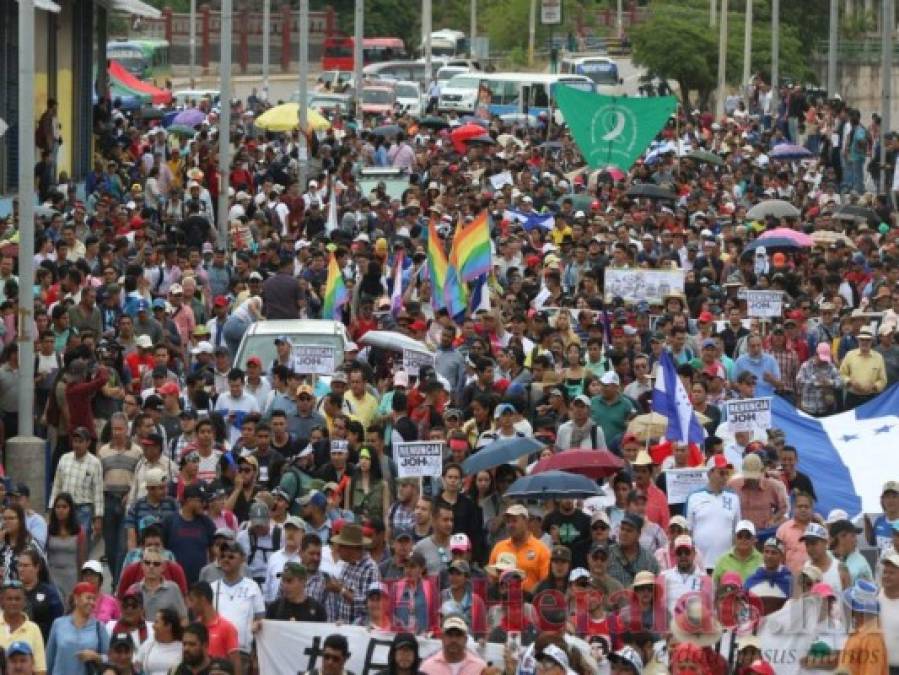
197	490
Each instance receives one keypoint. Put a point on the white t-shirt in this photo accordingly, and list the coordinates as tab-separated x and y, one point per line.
712	518
227	404
240	604
276	563
157	658
677	585
889	623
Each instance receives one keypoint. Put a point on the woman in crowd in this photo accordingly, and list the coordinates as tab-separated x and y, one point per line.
44	602
78	642
161	653
66	544
367	496
14	541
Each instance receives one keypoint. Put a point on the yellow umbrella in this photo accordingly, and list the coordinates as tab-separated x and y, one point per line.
285	117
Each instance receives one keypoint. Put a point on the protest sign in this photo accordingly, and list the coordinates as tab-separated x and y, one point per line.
417	459
764	303
639	285
291	647
748	414
681	482
338	445
413	361
313	360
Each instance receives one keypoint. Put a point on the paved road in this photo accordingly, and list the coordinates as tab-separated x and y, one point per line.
282	86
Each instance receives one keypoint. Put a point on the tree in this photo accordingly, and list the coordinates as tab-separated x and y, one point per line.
676	43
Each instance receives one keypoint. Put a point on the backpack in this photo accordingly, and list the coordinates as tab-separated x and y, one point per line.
254	545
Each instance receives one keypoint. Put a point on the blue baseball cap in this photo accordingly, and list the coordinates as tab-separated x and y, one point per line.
862	597
158	302
142	305
19	647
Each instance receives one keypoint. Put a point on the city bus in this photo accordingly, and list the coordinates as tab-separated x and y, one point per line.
602	70
337	52
504	93
145	59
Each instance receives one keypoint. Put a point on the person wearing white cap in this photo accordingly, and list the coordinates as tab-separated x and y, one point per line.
863	371
684	577
816	541
610	410
712	512
580	431
742	558
889	607
454	658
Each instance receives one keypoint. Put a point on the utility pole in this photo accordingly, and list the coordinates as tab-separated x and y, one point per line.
192	42
713	10
775	58
532	31
427	28
619	19
303	151
722	61
888	22
266	38
224	128
24	451
747	45
358	32
832	48
473	26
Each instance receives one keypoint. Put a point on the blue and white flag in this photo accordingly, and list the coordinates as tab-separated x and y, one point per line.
531	220
848	456
670	398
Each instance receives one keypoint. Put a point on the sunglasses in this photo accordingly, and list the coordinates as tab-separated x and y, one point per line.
683	551
599	526
152	563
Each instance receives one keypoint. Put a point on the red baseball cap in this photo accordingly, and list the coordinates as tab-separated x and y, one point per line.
718	462
220	301
706	317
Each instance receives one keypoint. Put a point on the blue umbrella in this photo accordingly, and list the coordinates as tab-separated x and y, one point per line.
553	485
500	452
771	243
190	117
789	151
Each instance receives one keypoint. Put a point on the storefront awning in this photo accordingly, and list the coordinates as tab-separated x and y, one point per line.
135	7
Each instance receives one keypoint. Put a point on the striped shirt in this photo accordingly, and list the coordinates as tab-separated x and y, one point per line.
118	467
82	478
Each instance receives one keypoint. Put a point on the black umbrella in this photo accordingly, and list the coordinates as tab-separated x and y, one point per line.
433	123
650	191
853	211
387	130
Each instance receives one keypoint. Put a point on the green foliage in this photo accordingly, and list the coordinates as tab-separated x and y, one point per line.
677	43
506	23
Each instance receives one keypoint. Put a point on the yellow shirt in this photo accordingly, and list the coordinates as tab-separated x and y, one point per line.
861	372
364	409
27	632
559	233
865	652
532	558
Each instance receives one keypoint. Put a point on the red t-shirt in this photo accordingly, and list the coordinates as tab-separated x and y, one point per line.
222	638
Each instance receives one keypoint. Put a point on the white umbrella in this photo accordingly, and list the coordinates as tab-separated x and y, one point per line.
394	341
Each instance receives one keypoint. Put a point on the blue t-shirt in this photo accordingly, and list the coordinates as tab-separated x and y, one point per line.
883	532
189	541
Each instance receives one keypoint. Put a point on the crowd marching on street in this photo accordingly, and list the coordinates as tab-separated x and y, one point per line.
200	490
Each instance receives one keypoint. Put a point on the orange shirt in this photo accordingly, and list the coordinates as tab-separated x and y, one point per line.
222	638
865	652
532	558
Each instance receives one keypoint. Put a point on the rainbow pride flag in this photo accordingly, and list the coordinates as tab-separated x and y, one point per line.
471	254
336	295
437	267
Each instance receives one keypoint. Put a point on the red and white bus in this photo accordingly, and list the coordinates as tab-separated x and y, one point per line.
337	53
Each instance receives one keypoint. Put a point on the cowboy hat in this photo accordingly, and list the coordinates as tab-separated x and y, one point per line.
351	535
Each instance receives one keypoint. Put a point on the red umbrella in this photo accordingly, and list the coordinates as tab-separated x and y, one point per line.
466	132
590	463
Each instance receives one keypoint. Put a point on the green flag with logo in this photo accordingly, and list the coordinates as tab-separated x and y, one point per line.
613	130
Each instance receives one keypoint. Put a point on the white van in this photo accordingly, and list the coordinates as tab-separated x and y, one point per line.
459	94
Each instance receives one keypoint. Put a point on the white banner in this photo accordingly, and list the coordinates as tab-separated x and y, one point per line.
417	459
310	360
637	285
764	303
292	647
748	414
413	361
681	482
498	180
340	445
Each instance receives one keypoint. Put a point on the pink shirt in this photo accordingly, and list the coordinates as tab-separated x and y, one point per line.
107	609
437	665
789	533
